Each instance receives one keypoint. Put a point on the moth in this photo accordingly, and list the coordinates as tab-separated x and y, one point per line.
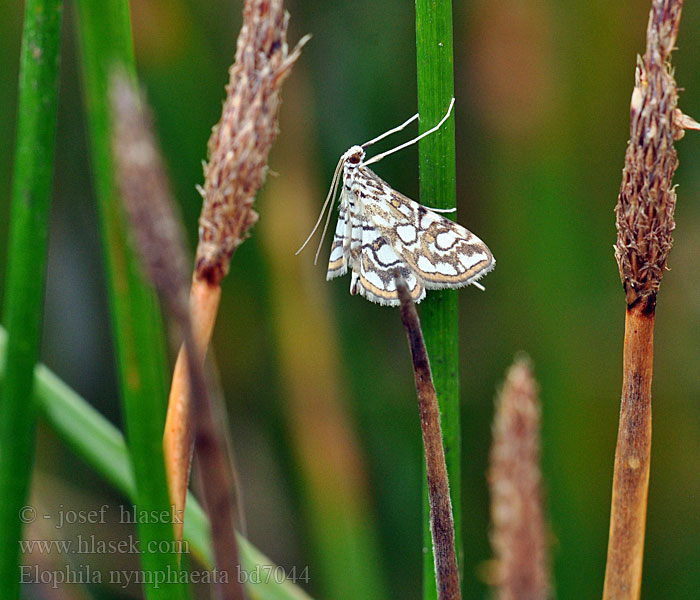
381	231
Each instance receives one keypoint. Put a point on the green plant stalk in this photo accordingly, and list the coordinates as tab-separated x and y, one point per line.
25	279
436	156
105	40
102	446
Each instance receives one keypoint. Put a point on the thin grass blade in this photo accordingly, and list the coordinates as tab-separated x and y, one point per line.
24	285
101	445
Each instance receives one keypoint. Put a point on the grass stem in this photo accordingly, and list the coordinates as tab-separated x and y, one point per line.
104	37
436	154
25	279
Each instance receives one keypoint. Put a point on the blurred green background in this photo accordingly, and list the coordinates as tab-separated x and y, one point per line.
315	378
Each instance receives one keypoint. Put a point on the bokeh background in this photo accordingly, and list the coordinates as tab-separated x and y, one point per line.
318	384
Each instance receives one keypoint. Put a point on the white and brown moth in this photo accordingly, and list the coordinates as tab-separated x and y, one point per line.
380	231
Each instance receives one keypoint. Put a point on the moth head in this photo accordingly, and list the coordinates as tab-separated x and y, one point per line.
354	156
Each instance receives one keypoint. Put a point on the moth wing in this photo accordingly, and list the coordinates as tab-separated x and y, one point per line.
340	248
373	278
441	252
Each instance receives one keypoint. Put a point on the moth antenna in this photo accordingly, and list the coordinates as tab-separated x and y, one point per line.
328	220
331	194
442	210
394	130
379	157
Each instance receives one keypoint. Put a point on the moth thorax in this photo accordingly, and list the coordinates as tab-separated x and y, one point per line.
353	157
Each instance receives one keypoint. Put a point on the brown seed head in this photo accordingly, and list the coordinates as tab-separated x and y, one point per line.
240	142
647	197
143	184
519	533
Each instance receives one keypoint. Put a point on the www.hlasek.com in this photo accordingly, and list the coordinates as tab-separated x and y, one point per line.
91	544
85	574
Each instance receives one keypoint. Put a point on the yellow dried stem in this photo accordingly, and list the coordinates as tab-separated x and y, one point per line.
623	568
178	436
519	534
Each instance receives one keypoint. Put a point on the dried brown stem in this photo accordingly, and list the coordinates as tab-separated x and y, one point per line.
215	469
157	233
644	223
519	535
441	521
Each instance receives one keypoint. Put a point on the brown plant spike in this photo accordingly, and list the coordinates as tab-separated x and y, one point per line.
519	534
237	152
146	195
240	142
644	214
647	197
441	520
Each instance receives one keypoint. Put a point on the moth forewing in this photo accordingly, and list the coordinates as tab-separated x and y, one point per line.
433	251
441	252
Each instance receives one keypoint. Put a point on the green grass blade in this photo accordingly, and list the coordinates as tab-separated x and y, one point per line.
24	285
102	446
104	40
436	155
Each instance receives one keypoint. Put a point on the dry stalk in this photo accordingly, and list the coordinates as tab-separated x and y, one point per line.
236	167
519	534
158	238
645	223
441	520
